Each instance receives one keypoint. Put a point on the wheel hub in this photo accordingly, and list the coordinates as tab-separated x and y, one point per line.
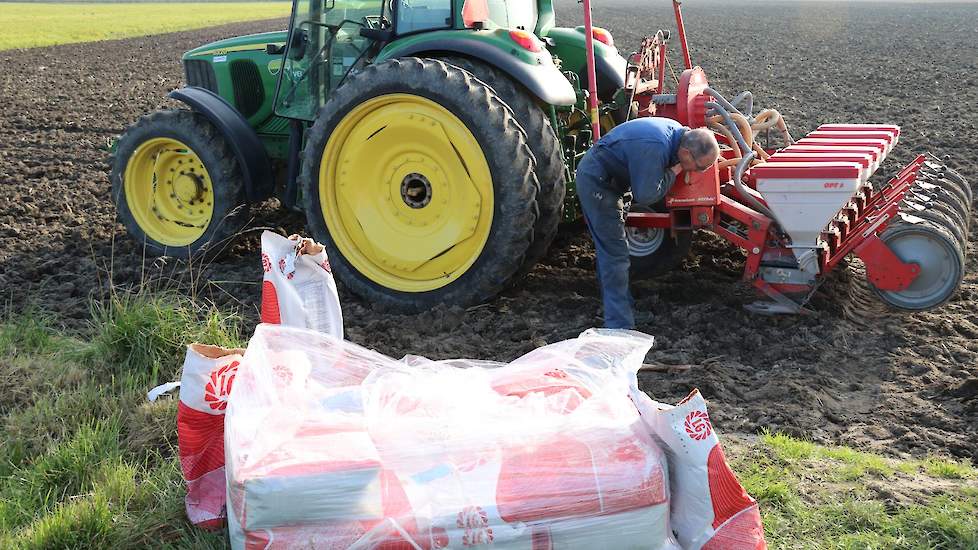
643	241
416	190
188	187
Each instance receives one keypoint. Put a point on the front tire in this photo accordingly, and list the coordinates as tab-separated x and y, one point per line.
421	183
177	185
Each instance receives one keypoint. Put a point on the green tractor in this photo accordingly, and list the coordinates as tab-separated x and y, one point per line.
430	143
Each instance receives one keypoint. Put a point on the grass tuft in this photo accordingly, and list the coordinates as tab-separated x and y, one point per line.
948	469
31	332
813	496
138	333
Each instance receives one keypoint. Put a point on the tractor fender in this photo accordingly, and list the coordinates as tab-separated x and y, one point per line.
544	79
256	169
610	74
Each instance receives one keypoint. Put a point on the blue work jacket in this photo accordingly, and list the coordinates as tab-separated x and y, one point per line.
638	155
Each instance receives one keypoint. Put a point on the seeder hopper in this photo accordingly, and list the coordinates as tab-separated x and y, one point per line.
799	210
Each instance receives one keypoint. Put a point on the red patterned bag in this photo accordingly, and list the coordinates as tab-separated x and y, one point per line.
710	508
208	375
297	288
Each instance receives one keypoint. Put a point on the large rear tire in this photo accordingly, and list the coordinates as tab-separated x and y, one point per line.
420	182
544	145
177	185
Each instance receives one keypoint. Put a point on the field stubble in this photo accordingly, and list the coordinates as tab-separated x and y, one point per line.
876	380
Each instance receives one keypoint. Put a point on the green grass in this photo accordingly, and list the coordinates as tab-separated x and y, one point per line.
813	496
87	462
29	25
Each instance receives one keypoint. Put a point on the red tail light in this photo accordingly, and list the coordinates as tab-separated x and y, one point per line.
603	36
526	40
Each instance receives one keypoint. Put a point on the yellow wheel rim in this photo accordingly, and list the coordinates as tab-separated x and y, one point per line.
406	193
168	191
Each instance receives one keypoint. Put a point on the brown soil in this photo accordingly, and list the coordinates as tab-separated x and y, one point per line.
850	372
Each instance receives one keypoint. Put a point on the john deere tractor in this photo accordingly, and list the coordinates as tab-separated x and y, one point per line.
430	143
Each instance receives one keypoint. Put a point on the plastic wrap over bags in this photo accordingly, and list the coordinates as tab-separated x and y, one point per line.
297	288
330	445
205	386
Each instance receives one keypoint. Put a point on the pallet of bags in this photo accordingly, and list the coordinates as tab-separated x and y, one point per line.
330	445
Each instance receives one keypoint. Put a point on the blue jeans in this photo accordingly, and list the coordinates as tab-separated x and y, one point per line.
601	201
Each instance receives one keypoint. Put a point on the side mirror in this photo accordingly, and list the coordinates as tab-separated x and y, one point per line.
297	48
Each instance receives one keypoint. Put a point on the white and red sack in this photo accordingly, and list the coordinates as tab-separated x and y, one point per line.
710	508
208	375
330	445
297	289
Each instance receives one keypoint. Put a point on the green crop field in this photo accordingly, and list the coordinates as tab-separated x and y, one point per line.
28	25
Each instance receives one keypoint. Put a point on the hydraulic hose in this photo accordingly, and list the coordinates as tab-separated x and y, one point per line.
765	120
718	98
750	102
744	126
761	152
714	124
769	118
744	192
734	129
744	161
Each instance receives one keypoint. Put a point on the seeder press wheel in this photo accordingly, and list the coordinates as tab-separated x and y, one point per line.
933	233
941	261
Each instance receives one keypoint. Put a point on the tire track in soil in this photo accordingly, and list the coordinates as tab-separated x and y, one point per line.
848	373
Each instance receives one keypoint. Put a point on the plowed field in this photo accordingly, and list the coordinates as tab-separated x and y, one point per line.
851	372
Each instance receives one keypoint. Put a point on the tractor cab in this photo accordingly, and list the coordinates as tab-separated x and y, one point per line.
327	40
324	43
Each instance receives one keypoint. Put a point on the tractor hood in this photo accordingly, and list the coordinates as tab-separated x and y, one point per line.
250	42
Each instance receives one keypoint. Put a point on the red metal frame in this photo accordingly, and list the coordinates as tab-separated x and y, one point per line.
662	68
879	209
699	201
592	83
883	268
682	33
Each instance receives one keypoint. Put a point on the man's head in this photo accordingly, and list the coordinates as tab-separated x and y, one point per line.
698	150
